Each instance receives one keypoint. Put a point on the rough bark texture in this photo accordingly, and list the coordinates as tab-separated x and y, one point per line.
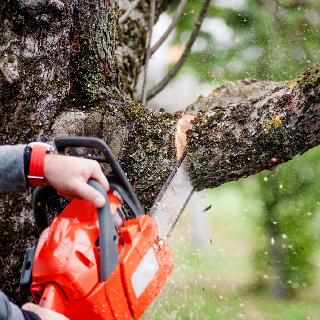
60	76
237	140
141	139
57	56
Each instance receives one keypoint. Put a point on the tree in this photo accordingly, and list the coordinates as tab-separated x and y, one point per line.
68	69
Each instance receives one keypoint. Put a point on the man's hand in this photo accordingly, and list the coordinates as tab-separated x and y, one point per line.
69	176
43	314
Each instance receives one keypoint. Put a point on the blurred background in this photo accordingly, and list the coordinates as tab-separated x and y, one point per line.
247	249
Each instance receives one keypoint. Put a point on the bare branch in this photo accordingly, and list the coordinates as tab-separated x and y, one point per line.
173	71
148	52
173	24
125	16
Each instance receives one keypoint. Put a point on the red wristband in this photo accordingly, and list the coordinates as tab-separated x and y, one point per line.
36	178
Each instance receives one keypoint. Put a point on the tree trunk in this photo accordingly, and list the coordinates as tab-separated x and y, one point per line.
62	73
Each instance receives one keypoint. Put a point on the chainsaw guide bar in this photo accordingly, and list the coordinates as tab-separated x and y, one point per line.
172	198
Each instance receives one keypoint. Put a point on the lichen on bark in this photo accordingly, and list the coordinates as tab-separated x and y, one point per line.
228	142
141	139
150	153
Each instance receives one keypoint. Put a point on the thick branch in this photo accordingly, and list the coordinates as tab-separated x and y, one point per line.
227	143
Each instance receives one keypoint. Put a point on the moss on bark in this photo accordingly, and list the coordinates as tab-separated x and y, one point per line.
230	142
150	154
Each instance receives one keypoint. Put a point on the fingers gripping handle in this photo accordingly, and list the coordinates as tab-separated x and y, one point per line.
118	180
108	236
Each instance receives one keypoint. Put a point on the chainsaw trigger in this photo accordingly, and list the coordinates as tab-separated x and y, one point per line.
26	275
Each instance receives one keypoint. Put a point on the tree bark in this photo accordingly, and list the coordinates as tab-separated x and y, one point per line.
226	143
63	74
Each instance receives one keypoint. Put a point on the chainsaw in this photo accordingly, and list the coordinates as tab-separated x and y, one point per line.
89	263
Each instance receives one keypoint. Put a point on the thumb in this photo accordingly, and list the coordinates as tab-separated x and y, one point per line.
89	193
43	313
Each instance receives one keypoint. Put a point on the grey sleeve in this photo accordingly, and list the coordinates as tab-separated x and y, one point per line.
8	310
12	178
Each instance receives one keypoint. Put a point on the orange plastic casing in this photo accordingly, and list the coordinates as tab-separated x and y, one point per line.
66	266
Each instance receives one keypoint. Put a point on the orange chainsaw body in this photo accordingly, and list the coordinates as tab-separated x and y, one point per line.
66	266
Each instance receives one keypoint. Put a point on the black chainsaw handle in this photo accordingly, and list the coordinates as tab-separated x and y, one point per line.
108	236
39	205
118	180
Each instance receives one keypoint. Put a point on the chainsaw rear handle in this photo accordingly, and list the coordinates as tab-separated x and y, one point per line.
108	235
118	180
39	205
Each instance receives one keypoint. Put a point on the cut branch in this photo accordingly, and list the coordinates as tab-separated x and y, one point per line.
225	142
173	71
238	140
173	24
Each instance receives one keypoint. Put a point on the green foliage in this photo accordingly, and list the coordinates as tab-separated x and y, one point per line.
266	40
214	278
290	195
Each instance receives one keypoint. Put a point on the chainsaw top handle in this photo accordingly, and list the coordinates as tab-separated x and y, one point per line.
117	180
108	236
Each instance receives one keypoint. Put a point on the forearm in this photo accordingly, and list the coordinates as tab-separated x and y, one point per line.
8	310
12	176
